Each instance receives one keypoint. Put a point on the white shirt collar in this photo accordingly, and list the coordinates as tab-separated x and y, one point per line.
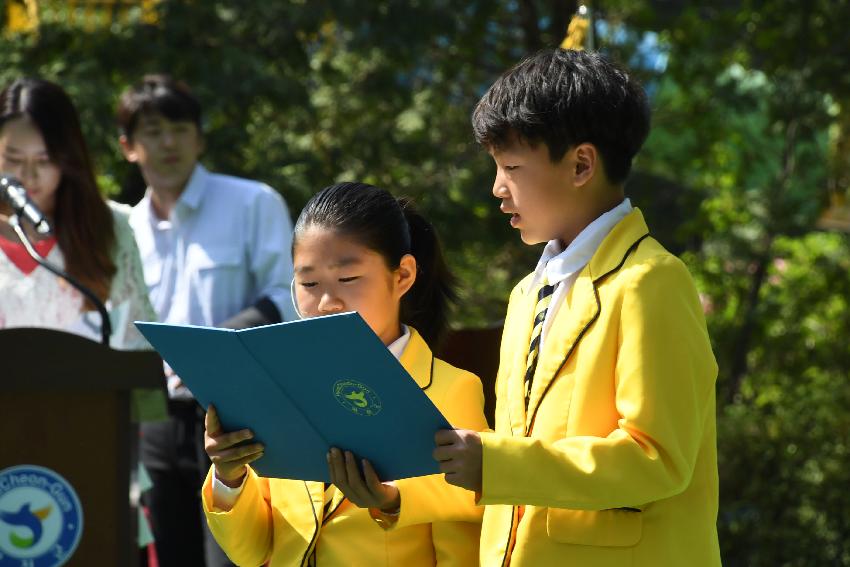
194	190
397	346
558	263
191	197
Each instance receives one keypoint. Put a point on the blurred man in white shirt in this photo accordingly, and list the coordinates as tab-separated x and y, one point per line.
216	251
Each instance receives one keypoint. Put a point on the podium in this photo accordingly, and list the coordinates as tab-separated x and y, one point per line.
65	406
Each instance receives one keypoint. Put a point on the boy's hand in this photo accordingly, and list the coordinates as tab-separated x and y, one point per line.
229	460
459	454
366	490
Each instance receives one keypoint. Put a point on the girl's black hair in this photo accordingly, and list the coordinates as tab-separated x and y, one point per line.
391	227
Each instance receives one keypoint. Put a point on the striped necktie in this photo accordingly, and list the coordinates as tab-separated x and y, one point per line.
544	297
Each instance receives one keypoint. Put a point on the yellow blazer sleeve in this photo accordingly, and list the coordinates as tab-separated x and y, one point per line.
452	511
430	499
664	390
244	532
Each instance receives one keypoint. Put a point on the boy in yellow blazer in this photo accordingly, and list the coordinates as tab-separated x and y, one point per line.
604	452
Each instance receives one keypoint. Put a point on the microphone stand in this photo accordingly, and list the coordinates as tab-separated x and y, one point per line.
105	325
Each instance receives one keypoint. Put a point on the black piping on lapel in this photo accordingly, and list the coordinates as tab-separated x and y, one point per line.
616	268
431	377
590	323
315	533
330	513
510	533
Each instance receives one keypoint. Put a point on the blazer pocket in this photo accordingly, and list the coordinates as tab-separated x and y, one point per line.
603	528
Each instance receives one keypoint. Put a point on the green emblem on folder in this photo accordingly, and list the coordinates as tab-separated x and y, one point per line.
357	398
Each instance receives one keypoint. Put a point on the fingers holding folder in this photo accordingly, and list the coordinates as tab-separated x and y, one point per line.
363	489
229	452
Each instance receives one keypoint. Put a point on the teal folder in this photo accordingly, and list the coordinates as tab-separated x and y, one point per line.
305	386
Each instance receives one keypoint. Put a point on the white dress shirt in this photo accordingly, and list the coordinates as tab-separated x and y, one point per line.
226	244
562	266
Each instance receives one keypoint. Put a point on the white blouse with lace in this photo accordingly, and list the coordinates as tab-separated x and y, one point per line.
40	299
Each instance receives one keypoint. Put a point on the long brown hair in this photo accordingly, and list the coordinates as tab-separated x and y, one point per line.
82	220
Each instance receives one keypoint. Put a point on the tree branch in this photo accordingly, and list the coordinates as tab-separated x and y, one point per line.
739	363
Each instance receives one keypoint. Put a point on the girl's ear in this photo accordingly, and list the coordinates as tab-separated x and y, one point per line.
405	274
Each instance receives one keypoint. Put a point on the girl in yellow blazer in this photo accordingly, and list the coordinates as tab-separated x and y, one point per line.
604	453
356	248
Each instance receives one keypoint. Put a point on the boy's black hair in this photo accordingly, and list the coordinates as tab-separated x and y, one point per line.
161	94
563	98
391	227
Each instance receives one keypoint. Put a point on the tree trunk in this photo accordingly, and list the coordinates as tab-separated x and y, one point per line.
529	20
738	360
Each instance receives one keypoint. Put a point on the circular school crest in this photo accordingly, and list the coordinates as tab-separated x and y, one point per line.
357	398
41	520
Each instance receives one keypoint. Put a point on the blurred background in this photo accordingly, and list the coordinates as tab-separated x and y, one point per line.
746	175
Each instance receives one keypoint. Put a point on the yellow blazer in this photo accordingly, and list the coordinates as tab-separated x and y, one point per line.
282	521
615	461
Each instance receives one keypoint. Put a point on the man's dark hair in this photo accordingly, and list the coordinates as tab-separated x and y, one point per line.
157	94
563	98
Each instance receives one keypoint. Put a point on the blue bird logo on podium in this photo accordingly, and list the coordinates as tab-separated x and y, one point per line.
357	398
31	520
41	519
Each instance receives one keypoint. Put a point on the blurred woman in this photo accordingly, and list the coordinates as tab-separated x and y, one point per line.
41	144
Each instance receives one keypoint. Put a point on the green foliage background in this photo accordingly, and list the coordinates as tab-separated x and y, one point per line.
746	110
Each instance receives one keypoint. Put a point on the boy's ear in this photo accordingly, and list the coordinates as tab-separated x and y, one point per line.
127	149
405	275
586	162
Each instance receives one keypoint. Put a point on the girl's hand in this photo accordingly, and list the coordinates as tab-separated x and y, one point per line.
366	490
225	452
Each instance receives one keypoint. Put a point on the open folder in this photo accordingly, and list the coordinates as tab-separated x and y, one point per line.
305	386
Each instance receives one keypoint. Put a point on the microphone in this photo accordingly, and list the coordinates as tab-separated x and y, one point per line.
12	191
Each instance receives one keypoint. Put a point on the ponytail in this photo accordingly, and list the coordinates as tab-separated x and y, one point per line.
427	304
391	227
